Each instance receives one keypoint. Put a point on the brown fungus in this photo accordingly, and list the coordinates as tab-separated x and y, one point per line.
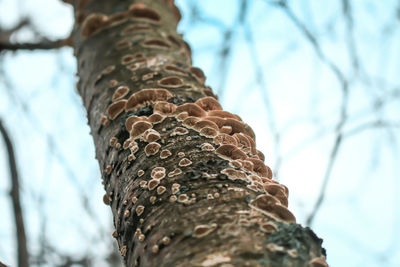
152	149
156	43
113	83
120	93
175	70
153	183
139	210
127	59
190	121
135	28
139	127
164	108
208	103
143	12
225	129
198	74
202	230
181	116
260	168
151	135
179	131
270	206
92	24
165	154
175	172
223	114
192	110
277	191
116	108
123	44
161	189
108	169
183	198
146	96
158	173
224	139
156	118
207	147
318	262
268	227
171	82
205	123
174	40
208	132
230	151
185	162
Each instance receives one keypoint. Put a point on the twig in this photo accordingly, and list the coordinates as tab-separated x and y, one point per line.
23	256
45	45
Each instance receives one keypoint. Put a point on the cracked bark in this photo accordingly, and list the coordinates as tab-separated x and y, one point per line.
183	179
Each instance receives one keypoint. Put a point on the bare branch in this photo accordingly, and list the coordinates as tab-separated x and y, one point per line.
23	256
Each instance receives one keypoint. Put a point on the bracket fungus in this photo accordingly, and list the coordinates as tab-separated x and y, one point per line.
93	23
143	12
165	154
138	128
208	103
185	162
116	108
156	43
152	148
171	82
146	96
271	206
120	93
202	230
158	173
318	262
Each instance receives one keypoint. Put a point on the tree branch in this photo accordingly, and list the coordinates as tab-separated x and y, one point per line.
19	221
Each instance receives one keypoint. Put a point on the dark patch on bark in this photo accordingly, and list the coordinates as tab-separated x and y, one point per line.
179	100
294	236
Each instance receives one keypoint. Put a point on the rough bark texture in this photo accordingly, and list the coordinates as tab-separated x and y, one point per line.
184	180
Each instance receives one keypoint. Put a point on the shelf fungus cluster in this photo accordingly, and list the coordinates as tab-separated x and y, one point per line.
228	136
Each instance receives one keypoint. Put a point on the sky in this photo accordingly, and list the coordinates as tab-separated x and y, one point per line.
274	78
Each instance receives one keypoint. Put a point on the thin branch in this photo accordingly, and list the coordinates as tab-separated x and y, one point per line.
34	46
43	45
23	256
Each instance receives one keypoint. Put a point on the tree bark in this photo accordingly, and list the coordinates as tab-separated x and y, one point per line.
183	178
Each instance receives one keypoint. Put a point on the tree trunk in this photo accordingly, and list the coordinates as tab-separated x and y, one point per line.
184	180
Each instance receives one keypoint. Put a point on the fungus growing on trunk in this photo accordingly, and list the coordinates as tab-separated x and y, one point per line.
120	93
93	24
318	262
198	74
145	96
208	103
156	43
171	82
152	148
175	70
139	127
270	206
158	173
143	12
165	154
116	108
202	230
